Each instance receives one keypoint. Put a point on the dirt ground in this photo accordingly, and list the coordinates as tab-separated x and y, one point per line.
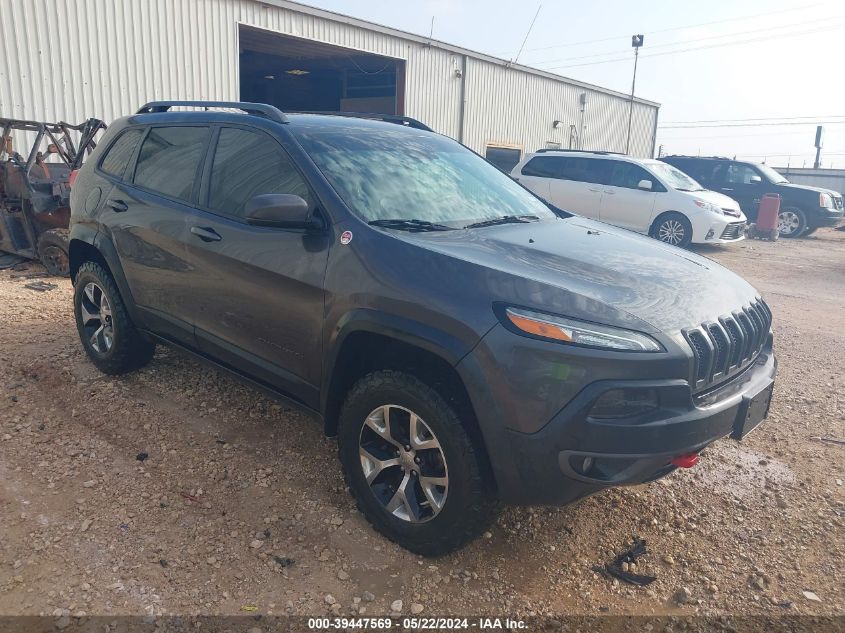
239	506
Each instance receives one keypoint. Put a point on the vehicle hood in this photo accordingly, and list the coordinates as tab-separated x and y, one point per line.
797	187
588	270
714	197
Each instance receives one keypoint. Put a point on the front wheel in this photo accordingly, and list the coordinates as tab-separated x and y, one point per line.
674	229
411	466
791	222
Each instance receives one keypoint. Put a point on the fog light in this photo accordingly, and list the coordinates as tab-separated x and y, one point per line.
624	403
710	234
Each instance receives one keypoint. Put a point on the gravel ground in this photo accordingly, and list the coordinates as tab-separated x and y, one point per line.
239	505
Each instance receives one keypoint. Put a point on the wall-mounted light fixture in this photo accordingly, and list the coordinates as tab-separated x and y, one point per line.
557	124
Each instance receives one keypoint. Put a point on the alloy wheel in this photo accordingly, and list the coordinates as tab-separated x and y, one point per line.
97	318
671	231
403	464
788	222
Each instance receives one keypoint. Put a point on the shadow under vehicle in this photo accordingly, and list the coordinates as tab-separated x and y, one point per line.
35	188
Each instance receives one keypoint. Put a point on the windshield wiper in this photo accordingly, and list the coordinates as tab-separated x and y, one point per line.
410	225
505	219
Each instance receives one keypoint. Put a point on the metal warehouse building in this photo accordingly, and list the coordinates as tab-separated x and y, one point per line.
74	59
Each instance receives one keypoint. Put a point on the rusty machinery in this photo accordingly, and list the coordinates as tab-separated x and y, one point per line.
35	188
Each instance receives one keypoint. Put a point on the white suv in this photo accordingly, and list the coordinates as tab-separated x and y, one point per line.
647	196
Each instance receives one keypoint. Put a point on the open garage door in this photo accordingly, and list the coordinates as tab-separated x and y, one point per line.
299	75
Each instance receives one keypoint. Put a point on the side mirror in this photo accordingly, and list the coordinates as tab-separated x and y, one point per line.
755	180
645	185
280	210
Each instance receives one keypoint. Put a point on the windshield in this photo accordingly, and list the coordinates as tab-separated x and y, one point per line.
770	174
674	178
385	174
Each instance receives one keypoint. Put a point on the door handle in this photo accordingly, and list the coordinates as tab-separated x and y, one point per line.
610	192
118	206
596	190
727	188
206	234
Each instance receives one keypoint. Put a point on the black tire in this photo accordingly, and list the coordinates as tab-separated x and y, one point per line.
470	503
672	228
53	247
127	349
792	222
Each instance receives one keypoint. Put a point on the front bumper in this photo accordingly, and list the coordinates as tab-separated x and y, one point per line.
720	231
828	217
545	467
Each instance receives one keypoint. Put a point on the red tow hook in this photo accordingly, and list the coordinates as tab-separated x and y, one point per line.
685	461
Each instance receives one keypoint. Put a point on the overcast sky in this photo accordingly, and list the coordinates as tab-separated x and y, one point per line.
757	59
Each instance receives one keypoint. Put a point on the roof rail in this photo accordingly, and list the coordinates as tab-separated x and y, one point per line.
389	118
257	109
543	150
690	156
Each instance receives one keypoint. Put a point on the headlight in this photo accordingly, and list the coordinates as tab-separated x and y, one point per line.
825	201
709	206
566	330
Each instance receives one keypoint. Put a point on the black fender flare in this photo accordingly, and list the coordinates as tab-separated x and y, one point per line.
430	339
99	241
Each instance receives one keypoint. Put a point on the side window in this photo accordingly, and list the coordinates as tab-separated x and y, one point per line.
169	158
627	175
583	170
120	153
739	174
247	164
543	167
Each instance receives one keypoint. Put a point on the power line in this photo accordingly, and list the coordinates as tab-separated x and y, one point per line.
825	20
678	28
698	48
515	59
717	125
771	118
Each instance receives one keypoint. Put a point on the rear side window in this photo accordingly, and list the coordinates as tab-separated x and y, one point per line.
120	153
572	168
247	164
543	167
168	161
584	169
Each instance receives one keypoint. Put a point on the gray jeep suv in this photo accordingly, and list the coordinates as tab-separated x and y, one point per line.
466	343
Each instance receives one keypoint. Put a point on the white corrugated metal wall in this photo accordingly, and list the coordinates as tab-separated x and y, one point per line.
73	59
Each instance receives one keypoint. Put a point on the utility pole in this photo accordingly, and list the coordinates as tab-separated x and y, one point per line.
819	145
636	42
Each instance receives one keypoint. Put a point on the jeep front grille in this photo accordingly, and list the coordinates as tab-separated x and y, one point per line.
723	348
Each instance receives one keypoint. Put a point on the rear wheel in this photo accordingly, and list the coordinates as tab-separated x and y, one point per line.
110	339
411	466
673	228
53	252
791	222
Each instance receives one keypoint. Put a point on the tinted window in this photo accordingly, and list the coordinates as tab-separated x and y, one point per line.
247	164
505	158
583	169
565	168
169	159
627	175
739	174
120	153
543	167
